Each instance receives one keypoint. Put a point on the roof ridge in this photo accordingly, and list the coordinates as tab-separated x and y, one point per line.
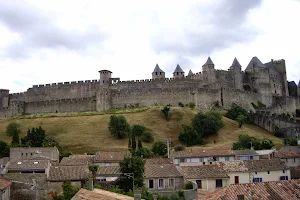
209	61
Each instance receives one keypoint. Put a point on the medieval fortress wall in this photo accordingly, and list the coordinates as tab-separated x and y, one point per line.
259	82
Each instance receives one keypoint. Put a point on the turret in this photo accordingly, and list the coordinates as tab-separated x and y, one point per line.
236	70
105	76
209	74
158	73
178	73
4	97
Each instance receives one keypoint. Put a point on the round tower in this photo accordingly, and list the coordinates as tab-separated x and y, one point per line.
158	73
178	73
105	76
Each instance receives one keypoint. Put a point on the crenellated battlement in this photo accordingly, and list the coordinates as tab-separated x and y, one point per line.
66	83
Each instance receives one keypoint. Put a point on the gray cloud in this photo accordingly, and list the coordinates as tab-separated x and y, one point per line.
37	30
213	28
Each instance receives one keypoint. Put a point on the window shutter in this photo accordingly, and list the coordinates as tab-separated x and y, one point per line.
253	180
260	179
286	178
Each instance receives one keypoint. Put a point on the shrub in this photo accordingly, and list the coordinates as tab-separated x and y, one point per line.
192	106
245	142
138	130
4	149
241	119
277	132
144	152
159	148
267	144
179	147
297	112
235	111
147	137
188	186
118	126
189	136
180	104
166	112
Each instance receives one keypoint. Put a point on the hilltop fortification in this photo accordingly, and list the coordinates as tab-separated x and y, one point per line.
259	82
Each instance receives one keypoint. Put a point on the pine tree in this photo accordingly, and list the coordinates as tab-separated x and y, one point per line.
133	142
140	145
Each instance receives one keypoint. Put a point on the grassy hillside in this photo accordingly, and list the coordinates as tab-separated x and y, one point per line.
81	134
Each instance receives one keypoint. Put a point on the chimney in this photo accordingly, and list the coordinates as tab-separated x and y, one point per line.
91	184
137	194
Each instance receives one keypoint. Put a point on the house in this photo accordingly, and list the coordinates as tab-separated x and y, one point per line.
5	189
108	173
110	158
236	170
76	175
267	170
98	194
162	175
203	156
28	166
290	158
265	153
77	160
3	162
34	153
295	149
261	191
246	154
205	177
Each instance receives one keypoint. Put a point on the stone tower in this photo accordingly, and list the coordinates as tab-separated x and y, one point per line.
105	76
158	73
236	70
280	67
178	73
209	74
4	94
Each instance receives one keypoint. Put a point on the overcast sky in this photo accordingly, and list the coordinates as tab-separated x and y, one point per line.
56	41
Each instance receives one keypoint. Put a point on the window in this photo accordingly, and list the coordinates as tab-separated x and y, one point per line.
31	154
203	163
151	184
160	183
294	159
251	157
107	164
215	158
219	183
255	172
283	171
236	180
210	163
201	159
255	180
268	172
155	73
284	178
199	184
226	158
171	183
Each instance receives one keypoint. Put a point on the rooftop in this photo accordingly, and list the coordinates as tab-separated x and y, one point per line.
28	164
289	154
77	160
209	61
4	183
157	69
190	153
262	191
68	173
110	156
245	152
98	194
233	166
236	63
178	69
203	171
255	62
108	170
265	165
157	169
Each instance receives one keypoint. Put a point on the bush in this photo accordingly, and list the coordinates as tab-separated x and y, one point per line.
166	112
160	148
138	130
179	147
267	144
188	186
118	126
297	112
144	152
277	132
235	111
241	119
245	142
180	104
192	106
189	136
147	137
4	149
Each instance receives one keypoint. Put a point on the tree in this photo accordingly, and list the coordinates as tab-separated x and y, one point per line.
68	191
133	142
118	126
241	119
267	144
13	129
207	124
4	149
166	111
15	140
129	165
93	169
192	106
34	138
189	136
144	152
160	148
140	144
147	137
235	111
138	130
51	142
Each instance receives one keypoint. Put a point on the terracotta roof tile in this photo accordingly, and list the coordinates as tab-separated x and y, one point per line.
28	164
265	165
233	166
245	152
190	153
289	154
107	170
263	191
77	160
4	183
161	170
158	161
295	172
98	194
110	156
68	173
203	171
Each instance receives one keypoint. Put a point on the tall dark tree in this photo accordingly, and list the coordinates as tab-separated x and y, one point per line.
160	148
166	112
34	138
133	142
140	144
4	149
13	129
119	127
189	136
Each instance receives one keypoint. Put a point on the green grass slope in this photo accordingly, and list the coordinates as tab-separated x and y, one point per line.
82	134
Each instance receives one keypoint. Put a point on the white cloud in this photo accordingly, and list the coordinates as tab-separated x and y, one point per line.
59	41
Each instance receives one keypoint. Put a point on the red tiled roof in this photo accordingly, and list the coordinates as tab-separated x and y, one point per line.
190	153
263	191
77	160
98	194
203	172
68	173
4	183
161	171
265	165
158	161
110	156
289	154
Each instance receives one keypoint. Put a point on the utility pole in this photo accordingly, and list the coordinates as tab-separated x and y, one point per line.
168	147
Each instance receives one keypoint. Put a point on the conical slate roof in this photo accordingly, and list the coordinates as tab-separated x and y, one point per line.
190	73
157	69
236	63
299	84
178	69
255	62
209	62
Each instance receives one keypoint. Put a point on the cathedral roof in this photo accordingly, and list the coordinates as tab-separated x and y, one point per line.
191	73
255	62
209	62
157	69
236	63
178	69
